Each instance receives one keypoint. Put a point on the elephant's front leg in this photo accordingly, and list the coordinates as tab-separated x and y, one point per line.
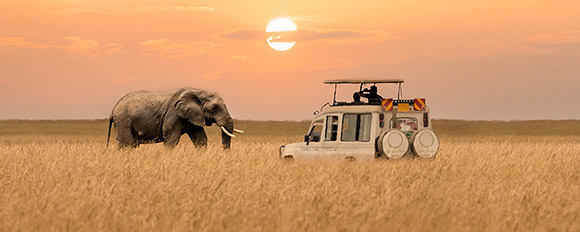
171	138
172	133
197	135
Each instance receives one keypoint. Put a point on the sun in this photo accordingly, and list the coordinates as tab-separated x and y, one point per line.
280	32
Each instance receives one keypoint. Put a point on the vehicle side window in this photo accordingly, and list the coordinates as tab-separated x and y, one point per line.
356	127
331	128
316	131
365	127
349	130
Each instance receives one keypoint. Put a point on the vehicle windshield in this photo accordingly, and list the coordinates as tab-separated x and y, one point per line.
356	127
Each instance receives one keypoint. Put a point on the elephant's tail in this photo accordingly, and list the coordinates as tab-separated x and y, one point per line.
109	135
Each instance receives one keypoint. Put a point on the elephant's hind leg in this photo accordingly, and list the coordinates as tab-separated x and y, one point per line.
125	137
197	135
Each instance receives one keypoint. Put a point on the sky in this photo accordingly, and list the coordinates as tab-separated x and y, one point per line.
474	60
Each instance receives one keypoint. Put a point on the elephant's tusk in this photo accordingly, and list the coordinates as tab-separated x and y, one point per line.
238	131
227	132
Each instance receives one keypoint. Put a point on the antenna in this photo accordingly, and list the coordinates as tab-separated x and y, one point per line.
400	92
334	100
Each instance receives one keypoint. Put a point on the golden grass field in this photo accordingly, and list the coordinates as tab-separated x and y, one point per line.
488	176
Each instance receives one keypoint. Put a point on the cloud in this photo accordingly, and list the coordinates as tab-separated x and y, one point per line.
211	75
490	48
304	35
310	18
314	35
241	58
243	34
562	37
77	47
178	8
169	49
337	63
535	44
310	35
121	80
74	11
18	42
81	47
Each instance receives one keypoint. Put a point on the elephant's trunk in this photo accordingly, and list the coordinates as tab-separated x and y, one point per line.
227	139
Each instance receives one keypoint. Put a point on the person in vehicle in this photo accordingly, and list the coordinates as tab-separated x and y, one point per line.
372	95
356	98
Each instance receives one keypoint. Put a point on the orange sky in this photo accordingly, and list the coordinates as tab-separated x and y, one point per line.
471	59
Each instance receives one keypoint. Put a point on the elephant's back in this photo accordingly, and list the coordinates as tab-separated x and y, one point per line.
143	102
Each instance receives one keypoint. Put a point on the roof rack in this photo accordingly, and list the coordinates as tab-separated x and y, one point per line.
366	81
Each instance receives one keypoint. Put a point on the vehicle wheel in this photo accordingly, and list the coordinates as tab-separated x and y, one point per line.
424	143
392	144
288	158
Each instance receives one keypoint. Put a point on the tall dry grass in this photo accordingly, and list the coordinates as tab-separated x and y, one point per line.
57	175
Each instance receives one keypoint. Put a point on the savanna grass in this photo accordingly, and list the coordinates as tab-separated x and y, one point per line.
58	175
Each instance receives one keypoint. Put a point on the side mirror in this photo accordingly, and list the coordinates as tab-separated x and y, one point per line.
306	138
315	138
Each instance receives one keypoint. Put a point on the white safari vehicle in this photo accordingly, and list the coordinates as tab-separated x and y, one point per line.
384	128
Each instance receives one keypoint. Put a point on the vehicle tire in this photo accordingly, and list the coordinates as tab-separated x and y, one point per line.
392	144
425	144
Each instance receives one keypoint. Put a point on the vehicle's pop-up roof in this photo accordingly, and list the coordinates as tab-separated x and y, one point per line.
364	81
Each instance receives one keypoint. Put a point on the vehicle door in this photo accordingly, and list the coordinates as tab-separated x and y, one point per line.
330	143
355	136
313	139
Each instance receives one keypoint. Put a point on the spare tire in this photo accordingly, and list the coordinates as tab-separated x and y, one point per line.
392	144
425	143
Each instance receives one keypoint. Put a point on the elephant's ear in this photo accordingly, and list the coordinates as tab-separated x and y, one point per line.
188	106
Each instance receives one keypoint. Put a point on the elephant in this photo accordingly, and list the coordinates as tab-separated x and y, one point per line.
143	117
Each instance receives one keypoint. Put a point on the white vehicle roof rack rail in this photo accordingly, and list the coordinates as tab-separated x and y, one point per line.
365	81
